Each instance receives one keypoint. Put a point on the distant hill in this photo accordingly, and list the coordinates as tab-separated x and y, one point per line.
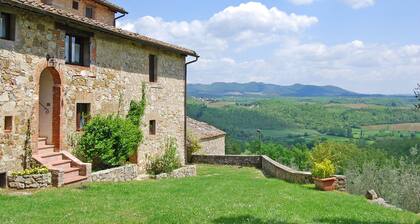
220	89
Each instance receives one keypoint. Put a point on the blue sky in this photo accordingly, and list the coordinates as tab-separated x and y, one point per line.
369	46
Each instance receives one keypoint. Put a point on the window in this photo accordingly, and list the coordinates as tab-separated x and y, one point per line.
82	115
152	127
89	12
3	180
8	124
77	50
76	5
152	68
6	26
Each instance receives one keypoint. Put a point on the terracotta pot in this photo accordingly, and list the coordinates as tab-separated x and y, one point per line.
326	184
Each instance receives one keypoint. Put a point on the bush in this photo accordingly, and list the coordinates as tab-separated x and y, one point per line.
32	171
339	153
167	162
109	141
323	169
397	183
193	145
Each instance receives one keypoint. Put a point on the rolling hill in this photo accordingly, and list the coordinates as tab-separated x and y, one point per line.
221	89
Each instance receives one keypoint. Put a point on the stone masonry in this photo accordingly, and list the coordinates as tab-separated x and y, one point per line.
118	68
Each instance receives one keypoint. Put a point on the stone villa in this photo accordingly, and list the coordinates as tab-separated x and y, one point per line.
61	59
212	140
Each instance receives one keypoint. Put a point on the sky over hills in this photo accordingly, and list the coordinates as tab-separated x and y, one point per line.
368	46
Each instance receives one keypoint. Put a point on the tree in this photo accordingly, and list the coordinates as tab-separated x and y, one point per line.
417	94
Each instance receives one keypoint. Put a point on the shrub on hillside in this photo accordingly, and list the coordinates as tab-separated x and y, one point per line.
397	183
167	162
339	153
109	141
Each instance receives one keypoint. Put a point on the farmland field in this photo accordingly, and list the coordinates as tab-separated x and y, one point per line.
395	127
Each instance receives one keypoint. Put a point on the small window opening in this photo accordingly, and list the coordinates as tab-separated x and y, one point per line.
3	180
89	12
152	127
8	124
152	68
83	115
76	5
7	26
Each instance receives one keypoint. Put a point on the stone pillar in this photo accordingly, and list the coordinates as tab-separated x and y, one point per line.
57	178
340	184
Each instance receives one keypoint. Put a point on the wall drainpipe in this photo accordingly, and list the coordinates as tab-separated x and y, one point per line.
185	108
119	17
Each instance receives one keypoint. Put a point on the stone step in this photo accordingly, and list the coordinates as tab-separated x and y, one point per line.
51	157
62	165
75	179
71	172
46	150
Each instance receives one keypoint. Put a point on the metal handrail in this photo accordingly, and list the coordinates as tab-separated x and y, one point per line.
44	107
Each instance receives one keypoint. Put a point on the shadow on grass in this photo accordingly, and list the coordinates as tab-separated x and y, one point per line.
351	221
247	219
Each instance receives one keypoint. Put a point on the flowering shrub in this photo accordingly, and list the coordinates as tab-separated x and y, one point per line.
323	169
32	171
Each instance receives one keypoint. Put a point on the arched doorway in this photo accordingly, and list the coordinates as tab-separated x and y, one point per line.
50	107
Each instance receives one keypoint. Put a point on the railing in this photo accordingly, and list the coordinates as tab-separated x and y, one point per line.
44	107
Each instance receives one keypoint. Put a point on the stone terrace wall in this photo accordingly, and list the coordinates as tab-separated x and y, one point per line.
252	161
267	165
119	174
29	181
186	171
277	170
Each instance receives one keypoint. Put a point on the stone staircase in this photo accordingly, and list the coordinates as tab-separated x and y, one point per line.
65	168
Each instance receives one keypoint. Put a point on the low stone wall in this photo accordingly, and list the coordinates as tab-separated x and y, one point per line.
252	161
118	174
29	181
186	171
274	169
341	183
266	164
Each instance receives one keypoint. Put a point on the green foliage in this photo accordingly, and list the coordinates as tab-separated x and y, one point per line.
32	171
167	162
193	144
323	169
109	141
27	155
339	153
137	108
397	182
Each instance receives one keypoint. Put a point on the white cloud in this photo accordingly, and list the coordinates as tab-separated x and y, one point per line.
358	4
251	42
301	2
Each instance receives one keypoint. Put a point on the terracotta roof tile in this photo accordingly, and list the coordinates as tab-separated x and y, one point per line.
112	6
203	130
39	7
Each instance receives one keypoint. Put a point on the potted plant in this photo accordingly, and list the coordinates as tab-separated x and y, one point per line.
322	173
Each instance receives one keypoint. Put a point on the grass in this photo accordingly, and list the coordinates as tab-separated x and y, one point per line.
216	195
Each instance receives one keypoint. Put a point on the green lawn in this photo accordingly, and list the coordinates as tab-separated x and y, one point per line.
217	195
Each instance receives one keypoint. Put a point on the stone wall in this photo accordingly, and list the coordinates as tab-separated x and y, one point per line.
252	161
341	183
186	171
213	146
29	181
267	165
118	174
118	69
274	169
